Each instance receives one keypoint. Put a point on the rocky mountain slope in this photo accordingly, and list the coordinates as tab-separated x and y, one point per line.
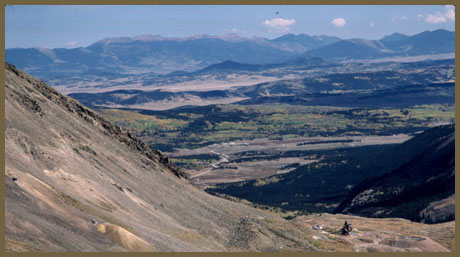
75	182
421	189
67	167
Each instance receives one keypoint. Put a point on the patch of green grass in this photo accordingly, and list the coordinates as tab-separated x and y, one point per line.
205	125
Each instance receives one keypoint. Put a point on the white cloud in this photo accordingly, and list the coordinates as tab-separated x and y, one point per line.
372	24
71	43
450	12
441	17
436	18
279	24
338	22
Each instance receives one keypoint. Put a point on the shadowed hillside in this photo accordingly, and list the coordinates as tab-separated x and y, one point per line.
409	190
351	172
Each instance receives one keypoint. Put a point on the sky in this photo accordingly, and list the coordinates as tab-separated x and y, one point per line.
70	26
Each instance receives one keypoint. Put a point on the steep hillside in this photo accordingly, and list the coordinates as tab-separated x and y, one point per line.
407	192
67	167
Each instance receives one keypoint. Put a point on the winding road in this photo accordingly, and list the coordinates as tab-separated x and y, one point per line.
223	158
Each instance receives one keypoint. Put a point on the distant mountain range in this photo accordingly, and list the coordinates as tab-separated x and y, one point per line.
434	42
161	55
147	53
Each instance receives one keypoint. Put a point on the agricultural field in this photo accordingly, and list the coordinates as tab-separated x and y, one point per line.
255	159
